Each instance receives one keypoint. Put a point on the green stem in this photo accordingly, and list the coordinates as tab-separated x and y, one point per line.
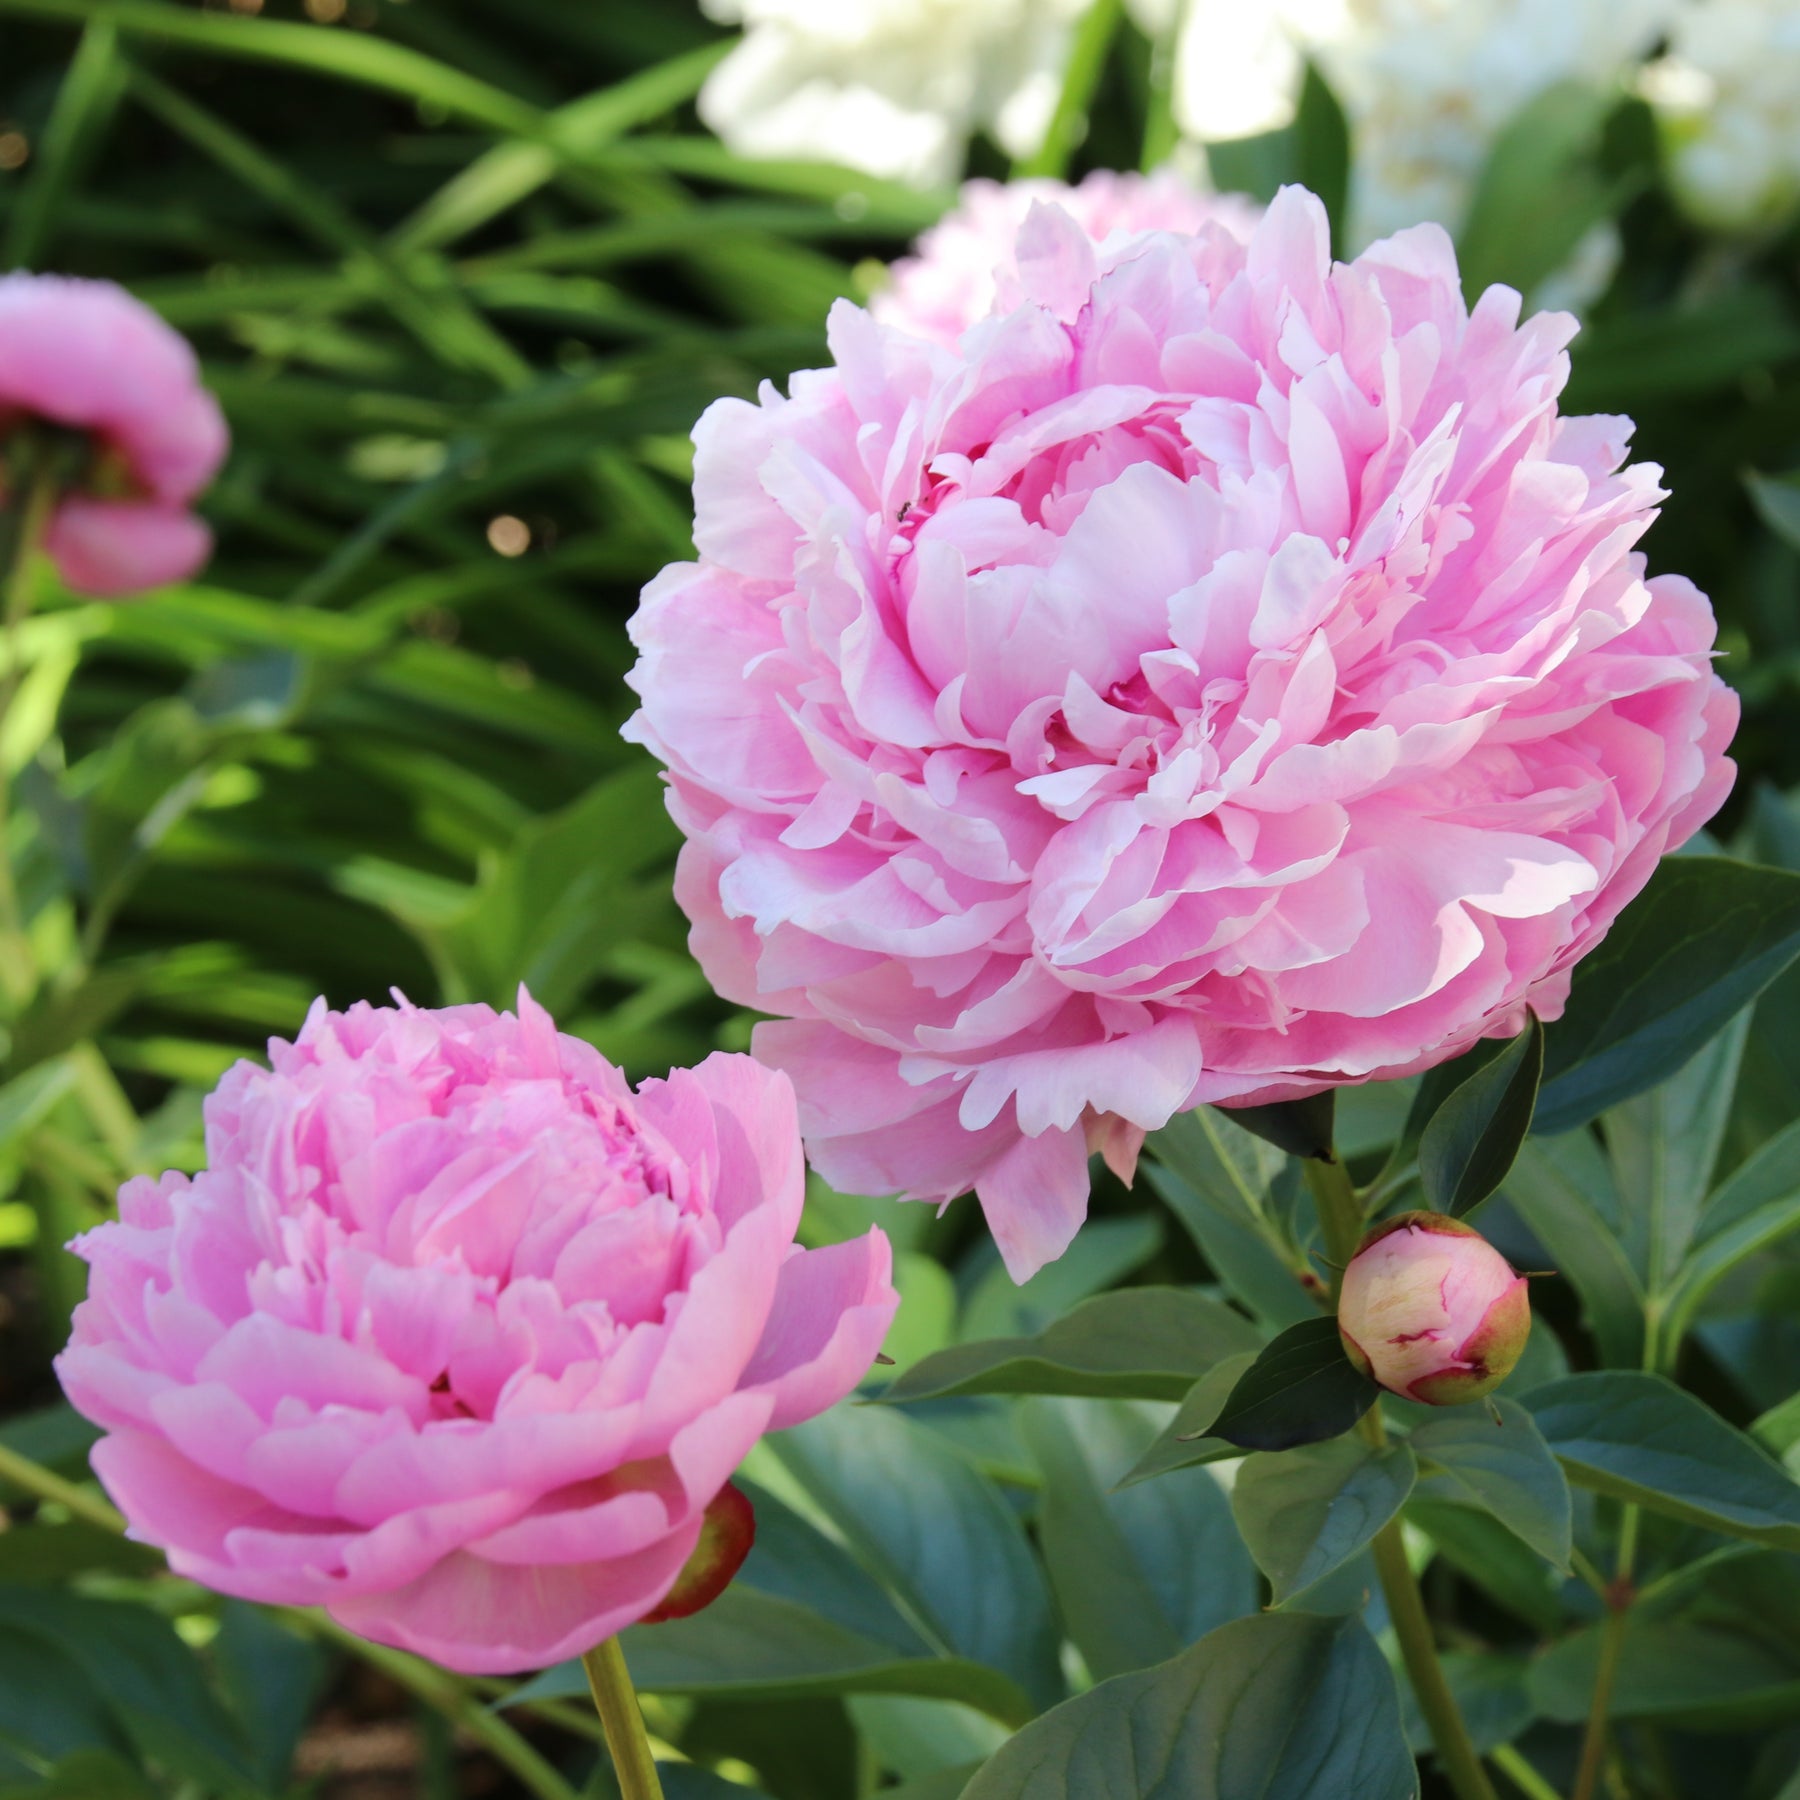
43	1484
1341	1214
24	523
1087	63
1406	1608
1521	1774
1619	1597
448	1696
616	1702
1341	1218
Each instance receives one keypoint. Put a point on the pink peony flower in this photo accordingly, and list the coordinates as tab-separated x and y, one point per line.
457	1336
1432	1311
965	265
1221	678
86	355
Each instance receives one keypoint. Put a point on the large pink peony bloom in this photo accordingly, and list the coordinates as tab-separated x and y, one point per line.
965	264
457	1336
86	355
1222	678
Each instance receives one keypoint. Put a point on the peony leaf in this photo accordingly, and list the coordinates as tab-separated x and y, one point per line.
1474	1136
1640	1438
1301	1389
1306	1514
1300	1127
1703	939
1137	1344
1285	1706
1187	1439
1500	1462
1137	1574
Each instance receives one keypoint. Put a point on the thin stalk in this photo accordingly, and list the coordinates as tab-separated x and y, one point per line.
616	1702
1087	63
432	1685
1341	1218
1620	1594
1521	1774
1406	1608
1341	1214
23	524
449	1697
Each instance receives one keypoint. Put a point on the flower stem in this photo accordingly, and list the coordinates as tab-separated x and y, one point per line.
1406	1608
24	522
1619	1596
1341	1213
616	1702
1521	1774
1341	1218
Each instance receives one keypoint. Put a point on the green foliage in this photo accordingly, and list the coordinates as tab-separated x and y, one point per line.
463	274
1284	1707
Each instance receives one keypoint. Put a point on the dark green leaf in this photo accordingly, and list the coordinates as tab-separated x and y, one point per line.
1505	1468
1481	1548
1550	146
1704	938
1562	1188
1777	499
1491	1691
1104	1252
1136	1344
1322	150
937	1533
1301	1389
1282	1707
1137	1574
1474	1136
1307	1512
1185	1441
1641	1438
1300	1127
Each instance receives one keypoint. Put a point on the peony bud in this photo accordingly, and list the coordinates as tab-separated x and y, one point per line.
1432	1311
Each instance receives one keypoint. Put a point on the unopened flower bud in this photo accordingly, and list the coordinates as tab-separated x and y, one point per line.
1432	1311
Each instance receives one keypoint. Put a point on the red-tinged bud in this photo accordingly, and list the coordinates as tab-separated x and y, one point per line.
726	1535
1432	1311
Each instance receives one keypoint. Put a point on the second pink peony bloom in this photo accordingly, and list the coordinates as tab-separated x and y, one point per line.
87	357
1220	677
458	1336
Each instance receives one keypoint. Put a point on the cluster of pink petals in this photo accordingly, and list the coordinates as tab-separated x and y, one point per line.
965	266
457	1335
86	355
1220	678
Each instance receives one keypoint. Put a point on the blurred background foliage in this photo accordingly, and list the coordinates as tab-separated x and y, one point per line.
463	273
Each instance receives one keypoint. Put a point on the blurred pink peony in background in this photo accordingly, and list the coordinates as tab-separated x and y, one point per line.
1221	678
965	263
86	355
1432	1311
456	1335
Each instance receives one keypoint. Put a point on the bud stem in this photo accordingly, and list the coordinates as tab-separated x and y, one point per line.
616	1702
1341	1218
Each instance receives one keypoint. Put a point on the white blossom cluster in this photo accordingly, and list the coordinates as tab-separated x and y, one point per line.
897	87
892	87
1728	94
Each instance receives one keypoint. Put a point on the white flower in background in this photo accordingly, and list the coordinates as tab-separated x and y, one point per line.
1728	96
1429	85
892	87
